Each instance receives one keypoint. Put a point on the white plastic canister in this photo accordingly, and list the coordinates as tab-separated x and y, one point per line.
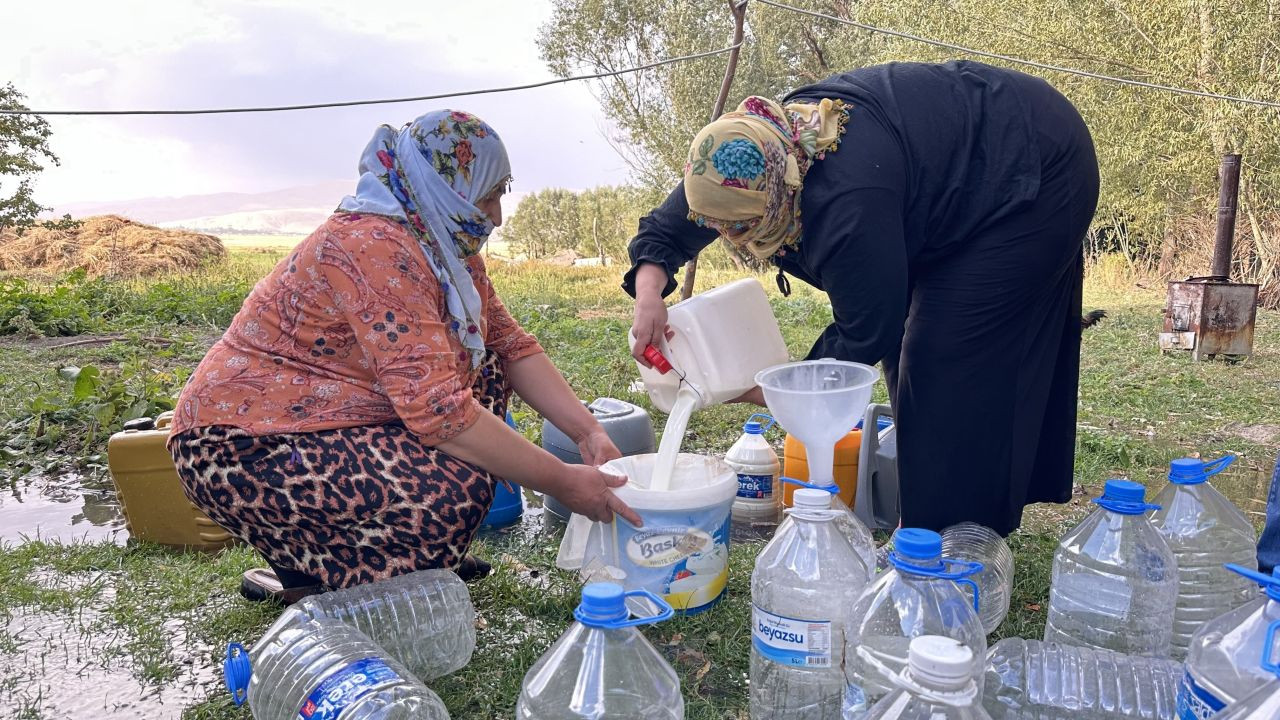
759	500
681	552
721	339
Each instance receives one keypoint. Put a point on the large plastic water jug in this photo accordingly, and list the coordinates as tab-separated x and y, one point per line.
920	595
859	537
980	544
758	507
156	508
627	425
423	619
721	339
938	684
1048	681
323	669
602	667
1223	660
681	552
802	590
1115	580
877	501
1205	532
1261	704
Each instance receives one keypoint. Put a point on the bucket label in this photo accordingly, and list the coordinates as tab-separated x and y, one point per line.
660	547
755	486
789	641
340	690
1194	702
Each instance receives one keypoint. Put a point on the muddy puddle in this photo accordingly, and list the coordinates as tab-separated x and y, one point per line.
65	507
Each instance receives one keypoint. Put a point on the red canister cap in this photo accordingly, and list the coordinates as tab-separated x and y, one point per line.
655	358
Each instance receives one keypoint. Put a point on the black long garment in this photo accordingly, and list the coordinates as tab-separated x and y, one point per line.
947	231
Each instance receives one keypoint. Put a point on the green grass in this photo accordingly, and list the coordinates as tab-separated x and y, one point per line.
1139	409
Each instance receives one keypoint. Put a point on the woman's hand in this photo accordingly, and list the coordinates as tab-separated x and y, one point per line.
585	490
755	396
597	448
650	324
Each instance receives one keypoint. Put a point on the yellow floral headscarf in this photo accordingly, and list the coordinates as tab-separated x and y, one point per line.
746	169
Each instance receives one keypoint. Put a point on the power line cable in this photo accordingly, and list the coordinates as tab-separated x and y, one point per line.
384	101
1021	61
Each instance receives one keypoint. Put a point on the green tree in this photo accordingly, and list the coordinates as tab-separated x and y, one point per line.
24	151
545	223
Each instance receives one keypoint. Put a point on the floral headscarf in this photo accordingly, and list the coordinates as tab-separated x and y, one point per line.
746	169
429	175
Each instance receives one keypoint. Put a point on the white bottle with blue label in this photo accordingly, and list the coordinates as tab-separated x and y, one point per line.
1231	656
802	592
758	506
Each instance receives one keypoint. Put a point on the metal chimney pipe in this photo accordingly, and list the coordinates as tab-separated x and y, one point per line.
1228	195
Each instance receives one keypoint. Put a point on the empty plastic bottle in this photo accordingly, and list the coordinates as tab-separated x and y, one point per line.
853	529
1262	704
1205	531
938	684
602	667
424	619
1115	579
918	596
802	592
322	669
981	544
1033	680
1223	663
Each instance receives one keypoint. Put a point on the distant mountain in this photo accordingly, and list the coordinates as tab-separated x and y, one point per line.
291	211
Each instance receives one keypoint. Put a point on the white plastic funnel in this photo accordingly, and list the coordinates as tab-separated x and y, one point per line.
819	402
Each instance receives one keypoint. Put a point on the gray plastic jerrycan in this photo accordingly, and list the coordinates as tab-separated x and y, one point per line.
877	502
629	426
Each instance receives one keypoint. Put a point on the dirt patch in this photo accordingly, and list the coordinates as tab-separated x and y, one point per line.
1257	434
600	314
107	245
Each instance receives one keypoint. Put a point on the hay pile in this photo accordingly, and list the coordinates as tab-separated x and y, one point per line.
107	245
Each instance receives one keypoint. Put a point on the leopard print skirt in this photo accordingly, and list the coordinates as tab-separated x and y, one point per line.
346	506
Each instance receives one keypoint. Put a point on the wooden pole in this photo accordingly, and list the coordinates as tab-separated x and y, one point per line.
739	10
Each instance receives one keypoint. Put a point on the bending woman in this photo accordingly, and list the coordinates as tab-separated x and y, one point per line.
942	208
349	424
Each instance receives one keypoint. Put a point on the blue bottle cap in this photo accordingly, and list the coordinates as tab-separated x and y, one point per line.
1190	471
237	670
917	544
1125	497
602	603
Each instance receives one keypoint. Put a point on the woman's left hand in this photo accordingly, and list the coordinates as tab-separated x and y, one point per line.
597	448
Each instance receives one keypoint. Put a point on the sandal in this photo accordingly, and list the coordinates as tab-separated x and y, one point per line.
472	568
262	585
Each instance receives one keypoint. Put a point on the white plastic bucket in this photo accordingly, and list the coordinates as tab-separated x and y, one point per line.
721	339
681	553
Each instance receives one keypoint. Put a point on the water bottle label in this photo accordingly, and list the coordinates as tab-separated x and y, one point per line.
790	641
1196	703
341	689
755	486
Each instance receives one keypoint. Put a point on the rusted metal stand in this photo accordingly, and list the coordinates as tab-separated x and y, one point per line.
739	10
1210	315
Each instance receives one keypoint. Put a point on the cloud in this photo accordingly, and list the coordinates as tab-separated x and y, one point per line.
135	54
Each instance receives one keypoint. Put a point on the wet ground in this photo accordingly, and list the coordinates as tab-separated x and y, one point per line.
65	507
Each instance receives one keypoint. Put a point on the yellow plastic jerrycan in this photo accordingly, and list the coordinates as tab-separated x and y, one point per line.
155	507
795	465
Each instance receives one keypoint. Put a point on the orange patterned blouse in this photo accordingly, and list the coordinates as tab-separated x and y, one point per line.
348	330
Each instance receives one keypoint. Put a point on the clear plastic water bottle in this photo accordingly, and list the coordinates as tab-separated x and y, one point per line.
938	684
1046	681
424	619
602	667
322	669
920	595
1262	704
853	529
980	544
1223	663
802	592
1115	579
758	506
1205	531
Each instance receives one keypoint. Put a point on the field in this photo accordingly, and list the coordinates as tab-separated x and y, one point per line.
128	630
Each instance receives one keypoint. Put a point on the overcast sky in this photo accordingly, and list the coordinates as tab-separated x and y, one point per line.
126	54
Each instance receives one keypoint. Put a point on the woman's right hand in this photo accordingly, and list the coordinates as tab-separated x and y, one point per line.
649	326
586	491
